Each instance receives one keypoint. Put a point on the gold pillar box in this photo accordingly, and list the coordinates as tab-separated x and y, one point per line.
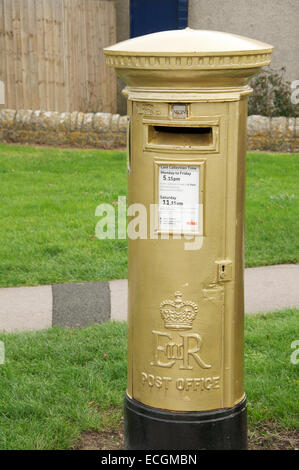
187	102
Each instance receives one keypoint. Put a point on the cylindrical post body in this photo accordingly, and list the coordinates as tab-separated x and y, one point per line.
187	147
163	370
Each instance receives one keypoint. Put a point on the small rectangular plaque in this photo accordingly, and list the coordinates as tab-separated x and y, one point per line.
179	198
179	111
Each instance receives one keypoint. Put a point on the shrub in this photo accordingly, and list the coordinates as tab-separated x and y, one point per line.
272	95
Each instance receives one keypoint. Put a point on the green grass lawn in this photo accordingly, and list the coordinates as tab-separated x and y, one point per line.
55	384
48	201
272	209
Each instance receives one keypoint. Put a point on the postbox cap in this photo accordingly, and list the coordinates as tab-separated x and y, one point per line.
180	56
206	46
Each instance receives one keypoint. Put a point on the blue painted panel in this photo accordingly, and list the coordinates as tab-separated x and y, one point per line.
150	16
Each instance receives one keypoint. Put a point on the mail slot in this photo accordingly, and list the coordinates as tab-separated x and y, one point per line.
180	136
187	96
190	135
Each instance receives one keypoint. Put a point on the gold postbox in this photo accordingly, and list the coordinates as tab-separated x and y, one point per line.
187	96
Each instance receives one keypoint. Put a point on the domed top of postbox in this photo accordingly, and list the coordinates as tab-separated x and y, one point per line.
187	52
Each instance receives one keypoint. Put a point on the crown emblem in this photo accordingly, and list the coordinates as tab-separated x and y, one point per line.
178	314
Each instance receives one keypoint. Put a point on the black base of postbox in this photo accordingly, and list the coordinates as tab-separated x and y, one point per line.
148	428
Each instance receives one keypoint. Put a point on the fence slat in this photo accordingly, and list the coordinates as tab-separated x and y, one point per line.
51	54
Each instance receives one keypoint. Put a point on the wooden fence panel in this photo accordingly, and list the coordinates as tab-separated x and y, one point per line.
51	54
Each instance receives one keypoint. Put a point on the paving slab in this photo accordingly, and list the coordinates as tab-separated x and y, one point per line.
119	299
81	304
271	288
25	308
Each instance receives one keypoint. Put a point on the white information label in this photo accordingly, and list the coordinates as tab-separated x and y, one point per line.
179	198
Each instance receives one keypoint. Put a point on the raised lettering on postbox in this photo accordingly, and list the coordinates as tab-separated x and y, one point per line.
168	352
168	349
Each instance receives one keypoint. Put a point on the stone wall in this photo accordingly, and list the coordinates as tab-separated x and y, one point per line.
279	134
100	130
108	131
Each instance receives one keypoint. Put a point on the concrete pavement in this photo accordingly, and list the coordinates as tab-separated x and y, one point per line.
271	288
267	289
